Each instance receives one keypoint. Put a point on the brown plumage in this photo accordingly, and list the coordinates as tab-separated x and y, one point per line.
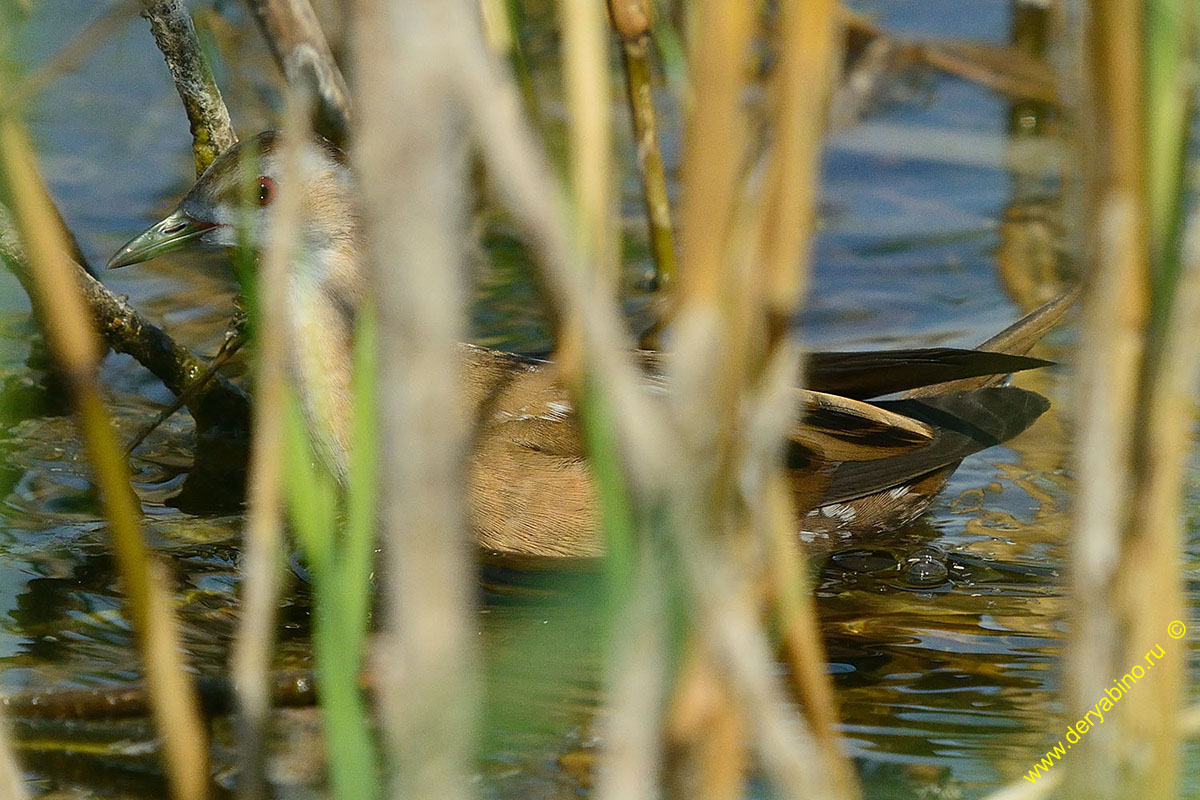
858	467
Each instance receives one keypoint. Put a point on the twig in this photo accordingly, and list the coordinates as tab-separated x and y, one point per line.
303	55
1002	69
289	688
212	132
228	348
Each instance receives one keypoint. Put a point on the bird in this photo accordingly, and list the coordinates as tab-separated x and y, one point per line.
877	433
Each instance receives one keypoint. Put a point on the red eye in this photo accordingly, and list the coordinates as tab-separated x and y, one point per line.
266	190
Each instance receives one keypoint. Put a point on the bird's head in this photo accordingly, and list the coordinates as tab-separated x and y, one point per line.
233	203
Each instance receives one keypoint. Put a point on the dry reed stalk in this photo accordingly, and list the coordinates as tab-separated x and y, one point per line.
410	127
1149	584
711	752
589	108
73	341
1108	372
706	733
735	303
810	49
631	20
714	152
264	552
636	675
302	52
1133	406
212	131
1113	323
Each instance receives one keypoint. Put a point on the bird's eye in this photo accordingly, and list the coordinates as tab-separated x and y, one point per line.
266	190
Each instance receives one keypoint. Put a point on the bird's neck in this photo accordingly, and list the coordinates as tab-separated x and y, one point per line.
330	257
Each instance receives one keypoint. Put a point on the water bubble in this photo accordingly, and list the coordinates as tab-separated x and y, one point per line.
926	567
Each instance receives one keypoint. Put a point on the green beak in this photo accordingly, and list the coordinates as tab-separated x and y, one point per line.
167	236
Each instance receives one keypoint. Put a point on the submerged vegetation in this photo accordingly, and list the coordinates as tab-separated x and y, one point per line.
704	613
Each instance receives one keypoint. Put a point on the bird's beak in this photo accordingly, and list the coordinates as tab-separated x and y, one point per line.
166	236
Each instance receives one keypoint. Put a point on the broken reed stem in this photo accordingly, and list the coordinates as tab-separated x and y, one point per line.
212	131
410	126
302	52
289	689
631	19
264	547
65	323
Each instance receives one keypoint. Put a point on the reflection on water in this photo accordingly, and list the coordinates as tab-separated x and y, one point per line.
944	639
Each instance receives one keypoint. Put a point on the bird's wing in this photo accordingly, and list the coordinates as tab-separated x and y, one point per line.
831	429
962	423
1016	339
866	374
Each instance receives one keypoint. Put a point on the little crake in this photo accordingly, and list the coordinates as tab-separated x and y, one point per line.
857	467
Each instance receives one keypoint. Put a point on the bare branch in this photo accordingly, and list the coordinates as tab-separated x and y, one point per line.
212	132
218	404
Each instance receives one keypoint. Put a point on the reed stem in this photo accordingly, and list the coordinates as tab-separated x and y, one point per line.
73	341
